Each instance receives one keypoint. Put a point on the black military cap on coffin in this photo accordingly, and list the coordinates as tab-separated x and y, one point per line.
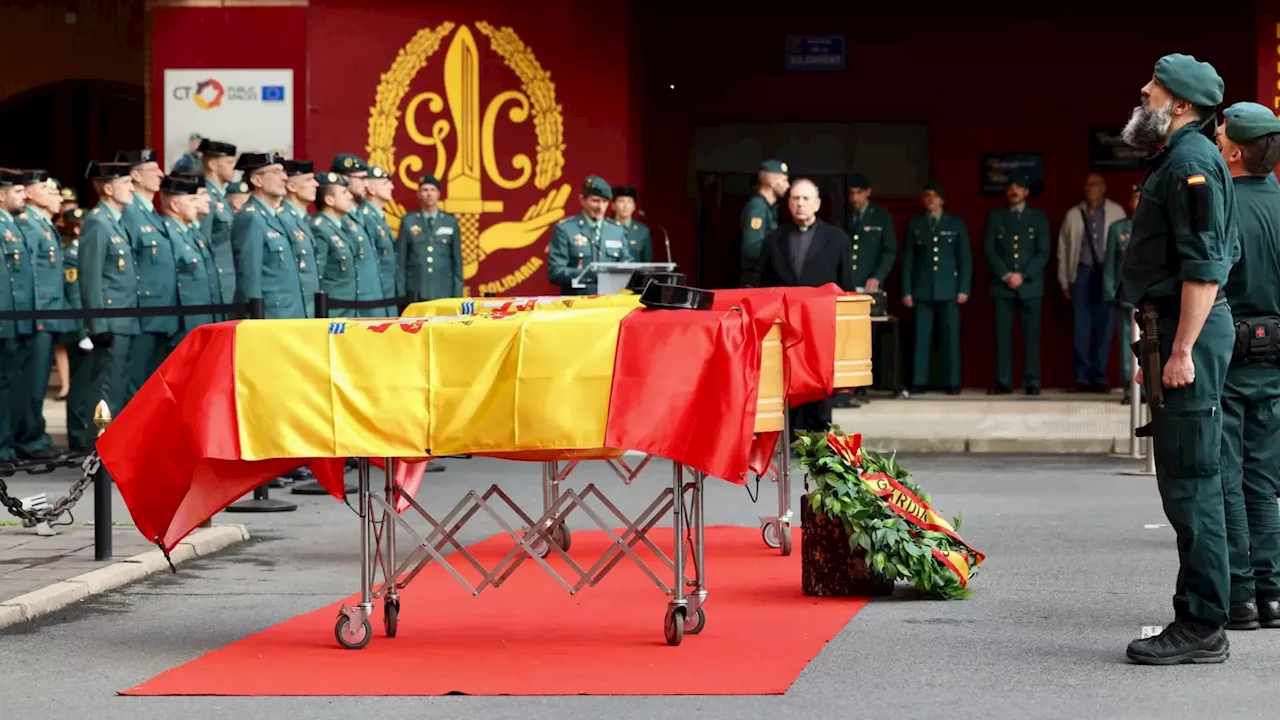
658	296
640	279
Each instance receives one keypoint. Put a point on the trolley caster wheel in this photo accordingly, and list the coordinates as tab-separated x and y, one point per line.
696	624
786	541
391	618
769	533
673	625
562	537
352	638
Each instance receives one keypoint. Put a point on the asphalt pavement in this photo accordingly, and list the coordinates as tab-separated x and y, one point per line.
1078	561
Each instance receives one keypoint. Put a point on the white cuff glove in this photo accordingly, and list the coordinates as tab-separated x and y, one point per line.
85	344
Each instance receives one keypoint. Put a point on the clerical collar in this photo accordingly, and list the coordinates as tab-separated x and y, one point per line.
803	228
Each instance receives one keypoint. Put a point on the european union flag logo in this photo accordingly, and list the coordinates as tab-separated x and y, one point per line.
468	307
272	93
337	328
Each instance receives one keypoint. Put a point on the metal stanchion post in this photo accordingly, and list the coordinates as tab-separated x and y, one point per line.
102	493
322	305
1135	397
262	502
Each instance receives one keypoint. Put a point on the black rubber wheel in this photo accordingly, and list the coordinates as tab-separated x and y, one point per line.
352	638
769	533
391	618
673	626
697	623
563	537
786	541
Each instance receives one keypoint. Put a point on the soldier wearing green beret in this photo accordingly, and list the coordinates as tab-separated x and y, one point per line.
157	274
1182	247
585	238
300	192
364	247
760	217
639	241
1017	248
179	201
219	160
937	277
1250	147
429	247
1117	245
108	279
44	244
238	194
266	266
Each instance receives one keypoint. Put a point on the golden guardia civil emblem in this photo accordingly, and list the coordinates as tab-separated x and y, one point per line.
469	135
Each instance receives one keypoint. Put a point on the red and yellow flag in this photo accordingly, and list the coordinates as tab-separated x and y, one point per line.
239	403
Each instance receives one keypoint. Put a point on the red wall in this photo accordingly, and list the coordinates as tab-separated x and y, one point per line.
984	82
583	45
228	38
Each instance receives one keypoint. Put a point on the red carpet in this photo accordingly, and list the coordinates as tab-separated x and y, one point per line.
530	637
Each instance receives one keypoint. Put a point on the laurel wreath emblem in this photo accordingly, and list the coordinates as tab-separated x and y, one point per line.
535	82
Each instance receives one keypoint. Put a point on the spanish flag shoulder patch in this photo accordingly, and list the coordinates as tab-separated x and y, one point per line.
1195	179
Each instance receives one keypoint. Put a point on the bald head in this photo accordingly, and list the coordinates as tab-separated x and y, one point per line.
804	201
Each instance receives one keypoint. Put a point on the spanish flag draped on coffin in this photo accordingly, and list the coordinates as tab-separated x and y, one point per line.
239	403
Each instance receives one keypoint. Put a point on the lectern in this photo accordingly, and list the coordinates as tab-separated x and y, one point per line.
612	277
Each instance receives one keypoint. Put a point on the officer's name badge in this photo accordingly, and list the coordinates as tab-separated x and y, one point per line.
148	228
613	243
272	234
1195	180
579	239
757	223
444	231
116	239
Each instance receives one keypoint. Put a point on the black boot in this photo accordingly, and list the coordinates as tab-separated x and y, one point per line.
1243	616
1269	613
1182	642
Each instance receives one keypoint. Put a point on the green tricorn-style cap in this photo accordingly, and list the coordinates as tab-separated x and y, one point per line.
774	166
331	178
347	163
294	168
936	186
1251	124
213	148
596	186
1194	81
179	185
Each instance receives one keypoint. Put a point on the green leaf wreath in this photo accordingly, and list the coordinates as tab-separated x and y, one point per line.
895	548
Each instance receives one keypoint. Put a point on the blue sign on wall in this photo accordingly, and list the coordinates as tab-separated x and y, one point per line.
815	52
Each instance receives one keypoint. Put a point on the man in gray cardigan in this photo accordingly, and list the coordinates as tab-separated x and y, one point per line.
1082	248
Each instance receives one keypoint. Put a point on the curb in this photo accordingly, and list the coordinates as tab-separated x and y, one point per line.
59	595
1011	445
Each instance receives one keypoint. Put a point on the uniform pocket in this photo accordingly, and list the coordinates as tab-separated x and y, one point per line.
1190	443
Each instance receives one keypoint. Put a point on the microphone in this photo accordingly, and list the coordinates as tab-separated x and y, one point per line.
665	237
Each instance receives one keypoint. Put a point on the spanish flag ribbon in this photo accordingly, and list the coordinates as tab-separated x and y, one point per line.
918	512
239	403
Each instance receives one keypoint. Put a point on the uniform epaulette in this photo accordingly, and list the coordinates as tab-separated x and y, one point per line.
569	219
612	222
96	211
22	215
247	208
364	210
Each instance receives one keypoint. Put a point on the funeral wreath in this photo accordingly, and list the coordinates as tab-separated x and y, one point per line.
886	515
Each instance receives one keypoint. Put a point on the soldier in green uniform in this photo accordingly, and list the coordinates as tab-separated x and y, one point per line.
760	217
363	245
1117	245
870	227
238	194
69	200
937	276
45	246
179	200
10	184
1183	244
108	280
586	238
301	192
1017	248
1250	147
189	163
639	241
219	168
266	266
373	218
335	252
80	430
153	260
17	254
430	247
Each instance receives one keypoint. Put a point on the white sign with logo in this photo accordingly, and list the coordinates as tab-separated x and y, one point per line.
251	109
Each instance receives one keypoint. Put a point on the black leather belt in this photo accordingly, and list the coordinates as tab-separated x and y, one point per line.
1171	307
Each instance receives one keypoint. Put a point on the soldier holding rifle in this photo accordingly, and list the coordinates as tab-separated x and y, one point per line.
1183	243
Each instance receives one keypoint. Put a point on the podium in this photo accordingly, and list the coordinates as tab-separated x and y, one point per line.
612	277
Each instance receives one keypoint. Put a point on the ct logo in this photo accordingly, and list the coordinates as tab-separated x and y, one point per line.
209	94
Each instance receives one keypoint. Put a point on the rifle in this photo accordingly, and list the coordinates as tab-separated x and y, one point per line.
1147	348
